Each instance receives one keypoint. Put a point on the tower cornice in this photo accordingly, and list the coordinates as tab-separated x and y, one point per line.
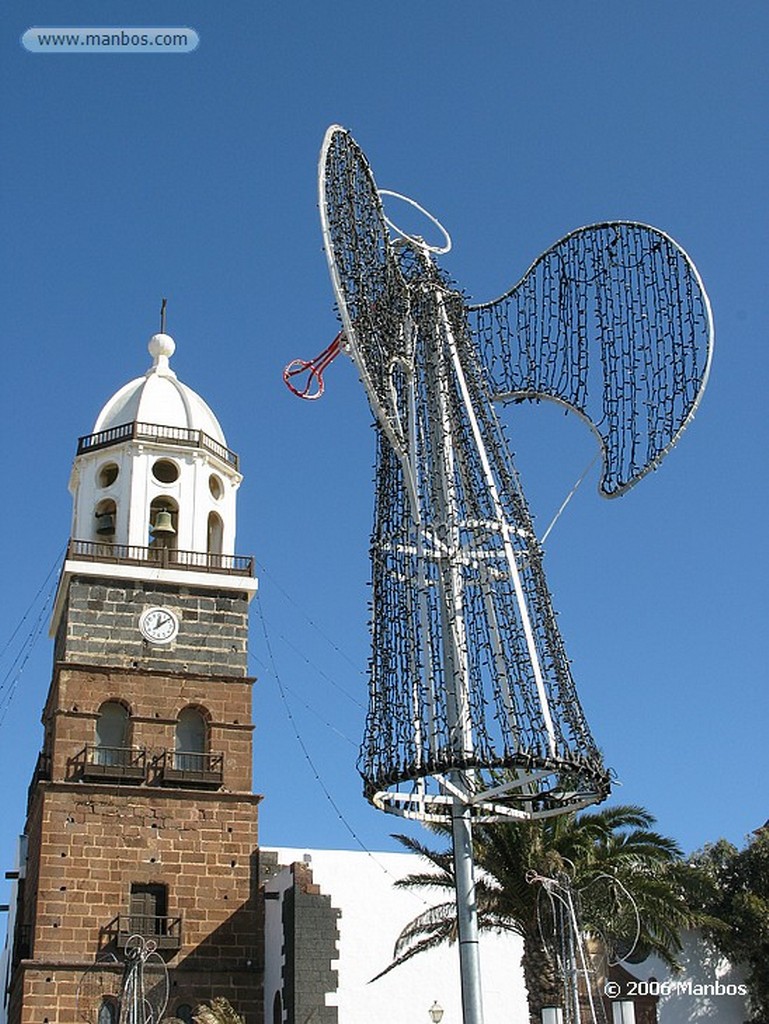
235	580
193	677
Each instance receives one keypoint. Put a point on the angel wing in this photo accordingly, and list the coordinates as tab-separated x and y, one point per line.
614	322
370	290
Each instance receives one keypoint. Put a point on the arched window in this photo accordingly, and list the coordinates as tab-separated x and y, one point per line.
215	533
105	519
164	523
108	1011
277	1009
191	741
112	734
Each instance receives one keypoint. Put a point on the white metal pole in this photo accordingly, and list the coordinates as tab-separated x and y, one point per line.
467	914
456	680
505	526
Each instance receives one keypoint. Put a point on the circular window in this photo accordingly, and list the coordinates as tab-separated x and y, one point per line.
165	471
107	474
215	486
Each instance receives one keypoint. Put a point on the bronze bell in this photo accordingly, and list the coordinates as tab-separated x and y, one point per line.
106	524
163	523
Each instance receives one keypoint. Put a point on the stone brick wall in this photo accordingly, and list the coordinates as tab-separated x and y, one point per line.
154	701
90	839
49	995
89	843
95	842
310	944
100	626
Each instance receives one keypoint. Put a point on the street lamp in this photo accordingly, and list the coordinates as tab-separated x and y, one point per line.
436	1012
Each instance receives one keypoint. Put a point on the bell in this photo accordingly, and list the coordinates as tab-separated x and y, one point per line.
106	524
163	523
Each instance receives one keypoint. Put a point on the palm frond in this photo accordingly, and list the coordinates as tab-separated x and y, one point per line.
616	844
430	929
219	1011
442	859
439	922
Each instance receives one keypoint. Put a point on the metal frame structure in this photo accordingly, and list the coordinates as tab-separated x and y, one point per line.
144	987
473	710
565	941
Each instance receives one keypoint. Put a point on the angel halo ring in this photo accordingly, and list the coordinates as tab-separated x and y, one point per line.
438	249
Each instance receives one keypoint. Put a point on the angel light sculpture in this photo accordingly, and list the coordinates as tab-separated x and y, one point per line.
473	711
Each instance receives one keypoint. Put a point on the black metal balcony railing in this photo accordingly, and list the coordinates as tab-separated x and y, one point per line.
42	773
111	764
178	436
166	932
165	558
42	767
180	768
22	944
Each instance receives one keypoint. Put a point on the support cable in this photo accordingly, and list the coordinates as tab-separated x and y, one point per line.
308	757
19	662
264	571
568	498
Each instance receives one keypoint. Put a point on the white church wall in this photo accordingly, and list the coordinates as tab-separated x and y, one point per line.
373	913
707	989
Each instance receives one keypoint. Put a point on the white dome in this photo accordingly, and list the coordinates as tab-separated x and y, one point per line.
159	398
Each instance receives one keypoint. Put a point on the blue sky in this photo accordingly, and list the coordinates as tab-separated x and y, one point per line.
130	177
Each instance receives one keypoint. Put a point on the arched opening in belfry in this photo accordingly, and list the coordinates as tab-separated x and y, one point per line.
164	523
105	520
215	533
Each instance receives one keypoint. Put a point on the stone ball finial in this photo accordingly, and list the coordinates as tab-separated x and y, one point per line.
161	345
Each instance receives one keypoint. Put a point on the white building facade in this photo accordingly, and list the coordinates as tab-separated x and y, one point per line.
371	912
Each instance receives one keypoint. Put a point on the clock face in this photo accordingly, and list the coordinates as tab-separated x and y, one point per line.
158	625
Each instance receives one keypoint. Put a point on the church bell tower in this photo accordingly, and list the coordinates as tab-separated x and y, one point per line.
141	823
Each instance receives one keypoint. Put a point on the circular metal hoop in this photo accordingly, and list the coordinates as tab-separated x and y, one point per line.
438	249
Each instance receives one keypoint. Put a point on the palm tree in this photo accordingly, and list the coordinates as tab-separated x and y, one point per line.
605	855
